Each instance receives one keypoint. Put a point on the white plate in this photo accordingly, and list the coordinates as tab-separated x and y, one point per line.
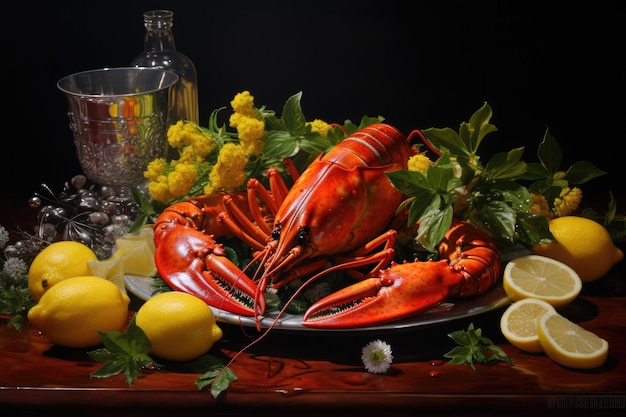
450	310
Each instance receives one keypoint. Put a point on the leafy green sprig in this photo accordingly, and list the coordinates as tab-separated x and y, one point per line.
215	375
489	195
123	353
474	348
128	353
15	300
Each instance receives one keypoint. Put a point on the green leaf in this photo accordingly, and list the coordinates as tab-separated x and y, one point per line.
506	165
222	382
280	144
420	204
499	217
102	355
293	116
474	347
138	342
111	368
535	171
439	178
315	144
582	171
478	128
514	194
409	182
533	229
434	224
550	154
369	120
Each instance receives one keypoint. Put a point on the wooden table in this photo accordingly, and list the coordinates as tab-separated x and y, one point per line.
308	373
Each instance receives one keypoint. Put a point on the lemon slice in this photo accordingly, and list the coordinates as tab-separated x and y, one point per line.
136	256
111	269
520	323
535	276
569	344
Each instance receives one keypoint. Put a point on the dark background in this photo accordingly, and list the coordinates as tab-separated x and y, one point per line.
418	64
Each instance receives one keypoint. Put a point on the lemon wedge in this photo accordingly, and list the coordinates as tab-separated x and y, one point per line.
111	269
136	256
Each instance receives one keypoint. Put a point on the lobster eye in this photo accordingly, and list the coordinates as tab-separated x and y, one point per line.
276	232
303	235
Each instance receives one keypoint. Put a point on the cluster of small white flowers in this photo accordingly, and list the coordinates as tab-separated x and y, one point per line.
4	237
15	268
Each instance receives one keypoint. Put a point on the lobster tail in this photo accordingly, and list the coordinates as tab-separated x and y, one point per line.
376	145
471	252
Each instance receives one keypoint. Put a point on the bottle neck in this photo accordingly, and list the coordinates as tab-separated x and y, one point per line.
159	35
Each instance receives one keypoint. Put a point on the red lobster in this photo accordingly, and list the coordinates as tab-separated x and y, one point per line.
337	211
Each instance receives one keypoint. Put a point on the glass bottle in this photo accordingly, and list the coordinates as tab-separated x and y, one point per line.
160	51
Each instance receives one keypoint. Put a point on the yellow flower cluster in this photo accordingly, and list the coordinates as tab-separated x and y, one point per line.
171	180
567	203
419	162
319	126
193	143
539	205
248	121
227	174
213	159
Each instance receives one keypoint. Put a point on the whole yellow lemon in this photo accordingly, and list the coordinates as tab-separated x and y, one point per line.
73	311
180	326
583	244
56	262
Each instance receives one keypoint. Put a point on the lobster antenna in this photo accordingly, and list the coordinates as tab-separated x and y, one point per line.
281	313
423	138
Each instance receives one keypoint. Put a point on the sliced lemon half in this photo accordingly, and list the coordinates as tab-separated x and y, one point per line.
543	278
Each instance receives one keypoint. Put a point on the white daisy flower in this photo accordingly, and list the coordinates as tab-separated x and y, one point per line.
377	357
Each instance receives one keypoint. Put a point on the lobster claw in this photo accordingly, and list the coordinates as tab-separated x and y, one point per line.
401	291
191	262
